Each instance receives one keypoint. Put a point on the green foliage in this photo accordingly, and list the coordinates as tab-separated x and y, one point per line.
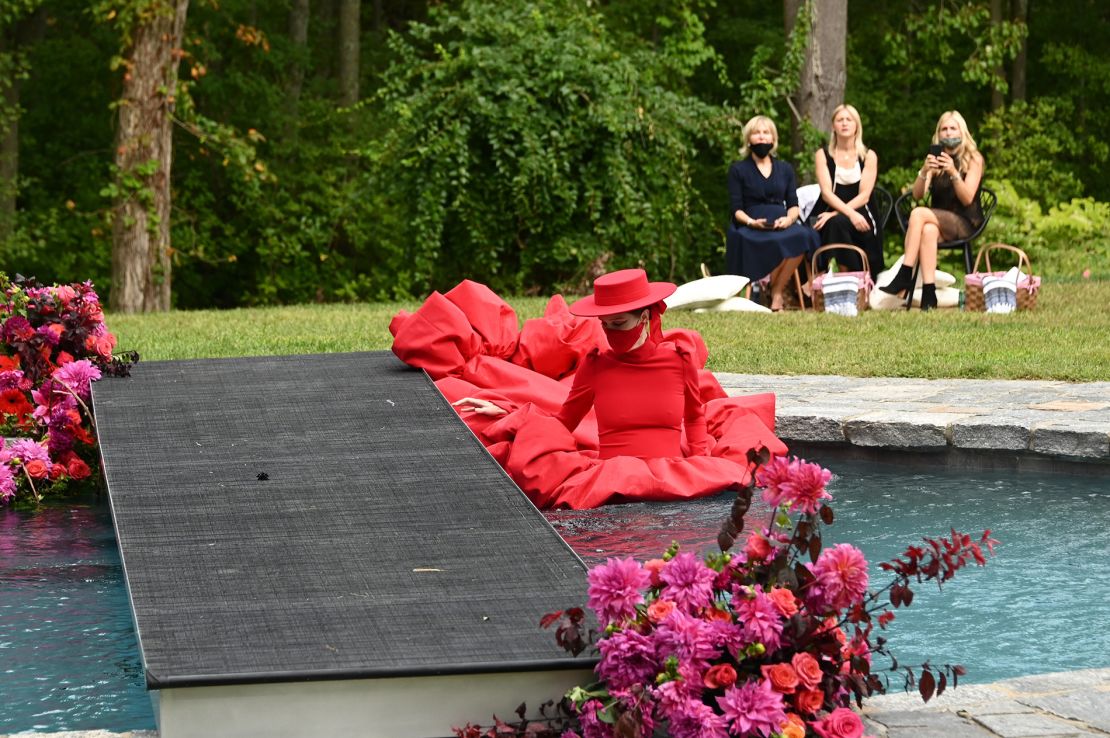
1034	146
528	150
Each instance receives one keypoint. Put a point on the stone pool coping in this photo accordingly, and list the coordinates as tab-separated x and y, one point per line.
1044	420
1060	705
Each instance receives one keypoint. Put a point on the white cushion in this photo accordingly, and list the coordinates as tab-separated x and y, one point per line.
706	292
943	279
947	297
808	195
735	305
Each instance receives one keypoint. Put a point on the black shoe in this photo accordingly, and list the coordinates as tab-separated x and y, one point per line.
902	281
928	296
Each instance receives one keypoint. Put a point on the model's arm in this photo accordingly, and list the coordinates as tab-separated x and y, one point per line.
694	411
581	396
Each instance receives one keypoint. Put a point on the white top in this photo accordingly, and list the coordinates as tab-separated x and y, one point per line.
848	175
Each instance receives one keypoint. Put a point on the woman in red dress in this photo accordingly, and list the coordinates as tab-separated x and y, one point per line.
641	419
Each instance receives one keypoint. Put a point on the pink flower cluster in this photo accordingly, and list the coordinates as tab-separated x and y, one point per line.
731	645
53	345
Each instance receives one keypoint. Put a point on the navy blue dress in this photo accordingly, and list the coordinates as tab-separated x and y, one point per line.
755	253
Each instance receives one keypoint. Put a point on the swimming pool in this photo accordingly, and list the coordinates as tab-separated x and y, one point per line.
1036	607
68	655
68	658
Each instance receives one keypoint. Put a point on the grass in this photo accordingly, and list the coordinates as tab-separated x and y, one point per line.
1067	337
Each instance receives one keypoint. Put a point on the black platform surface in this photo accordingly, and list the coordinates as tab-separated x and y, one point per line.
321	517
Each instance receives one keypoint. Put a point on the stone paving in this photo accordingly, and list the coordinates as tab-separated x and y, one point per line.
1014	419
1027	419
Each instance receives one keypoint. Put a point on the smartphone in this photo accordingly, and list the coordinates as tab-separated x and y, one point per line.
935	149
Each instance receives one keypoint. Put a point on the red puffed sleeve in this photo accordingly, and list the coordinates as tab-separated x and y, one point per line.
694	412
581	397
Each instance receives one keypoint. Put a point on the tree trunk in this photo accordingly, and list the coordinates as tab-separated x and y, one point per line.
998	99
1017	67
824	73
9	146
790	10
298	35
348	51
141	252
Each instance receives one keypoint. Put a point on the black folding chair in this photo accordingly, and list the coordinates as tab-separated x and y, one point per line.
905	205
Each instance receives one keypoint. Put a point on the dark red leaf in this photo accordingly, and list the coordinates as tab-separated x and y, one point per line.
942	683
827	516
926	685
549	618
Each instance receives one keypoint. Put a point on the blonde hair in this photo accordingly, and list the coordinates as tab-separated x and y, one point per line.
967	150
861	150
751	125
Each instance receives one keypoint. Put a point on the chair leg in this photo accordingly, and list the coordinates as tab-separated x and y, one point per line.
801	295
968	266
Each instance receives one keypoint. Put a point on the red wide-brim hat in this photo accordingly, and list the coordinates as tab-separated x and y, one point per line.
622	292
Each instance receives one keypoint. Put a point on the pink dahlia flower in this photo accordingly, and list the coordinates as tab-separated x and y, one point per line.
692	640
688	582
759	619
796	482
615	589
753	708
627	658
693	718
7	483
77	376
841	572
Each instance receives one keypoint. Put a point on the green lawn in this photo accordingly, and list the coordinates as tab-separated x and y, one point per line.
1067	337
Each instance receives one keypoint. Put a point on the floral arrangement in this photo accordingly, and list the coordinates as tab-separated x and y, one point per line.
774	640
53	345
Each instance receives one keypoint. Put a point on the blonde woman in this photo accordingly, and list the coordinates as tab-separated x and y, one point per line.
846	172
952	173
765	237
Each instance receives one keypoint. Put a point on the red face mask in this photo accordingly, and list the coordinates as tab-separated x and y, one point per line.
622	341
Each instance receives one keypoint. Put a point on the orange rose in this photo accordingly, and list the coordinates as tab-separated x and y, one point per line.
808	669
809	701
36	468
658	610
57	471
654	566
782	677
794	727
715	614
784	601
719	676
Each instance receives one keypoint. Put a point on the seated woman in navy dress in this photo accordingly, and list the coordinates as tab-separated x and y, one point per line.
765	237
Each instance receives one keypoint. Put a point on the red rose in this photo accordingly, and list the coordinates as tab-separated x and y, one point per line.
719	676
782	677
809	670
57	471
64	357
78	469
757	549
840	723
784	601
36	468
809	701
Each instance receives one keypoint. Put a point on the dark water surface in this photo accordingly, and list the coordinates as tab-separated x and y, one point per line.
68	655
1038	606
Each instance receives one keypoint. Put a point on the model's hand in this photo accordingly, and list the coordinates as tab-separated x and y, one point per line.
760	224
947	164
478	407
859	222
822	219
783	222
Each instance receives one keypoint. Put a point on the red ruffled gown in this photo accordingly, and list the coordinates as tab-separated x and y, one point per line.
667	429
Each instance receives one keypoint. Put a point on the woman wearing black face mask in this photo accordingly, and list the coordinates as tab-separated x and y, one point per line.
953	177
765	237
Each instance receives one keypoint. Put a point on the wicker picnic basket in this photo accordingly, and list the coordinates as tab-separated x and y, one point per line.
1027	289
863	301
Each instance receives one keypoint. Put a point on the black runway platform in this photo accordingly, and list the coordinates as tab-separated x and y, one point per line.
321	517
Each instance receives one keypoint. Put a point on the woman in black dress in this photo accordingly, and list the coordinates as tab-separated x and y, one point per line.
953	176
846	171
765	237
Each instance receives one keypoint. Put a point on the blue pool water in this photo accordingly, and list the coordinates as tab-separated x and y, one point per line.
69	661
1038	606
68	656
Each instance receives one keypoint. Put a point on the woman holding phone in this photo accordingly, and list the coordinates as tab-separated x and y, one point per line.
765	237
952	174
